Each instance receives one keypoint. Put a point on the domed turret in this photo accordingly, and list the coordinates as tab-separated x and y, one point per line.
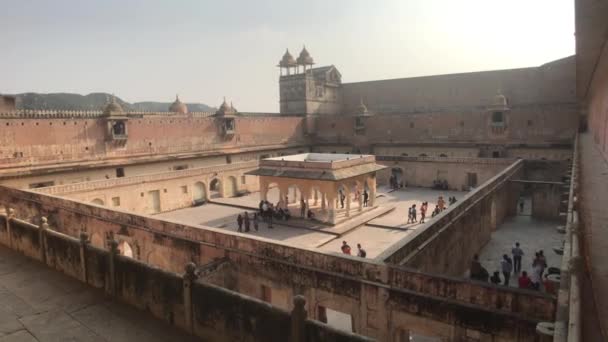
287	61
362	109
305	58
225	109
113	108
178	106
499	100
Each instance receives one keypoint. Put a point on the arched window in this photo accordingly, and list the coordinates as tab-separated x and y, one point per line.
498	118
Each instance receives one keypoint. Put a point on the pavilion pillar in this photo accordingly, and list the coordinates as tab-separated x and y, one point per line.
371	183
359	191
332	210
316	196
323	200
263	189
348	194
295	195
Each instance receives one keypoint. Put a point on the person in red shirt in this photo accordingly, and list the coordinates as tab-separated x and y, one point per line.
345	248
524	281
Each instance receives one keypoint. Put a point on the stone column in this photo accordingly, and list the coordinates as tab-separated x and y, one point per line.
42	237
84	241
111	267
10	214
323	200
188	279
371	183
348	194
263	189
295	195
360	199
298	319
316	196
332	209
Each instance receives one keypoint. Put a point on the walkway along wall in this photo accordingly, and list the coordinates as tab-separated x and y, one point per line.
447	245
384	301
205	310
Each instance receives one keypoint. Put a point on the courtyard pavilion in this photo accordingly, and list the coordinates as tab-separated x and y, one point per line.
320	177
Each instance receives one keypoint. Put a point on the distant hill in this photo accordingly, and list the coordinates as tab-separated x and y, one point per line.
94	101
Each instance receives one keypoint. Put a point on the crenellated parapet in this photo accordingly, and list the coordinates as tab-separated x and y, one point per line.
88	114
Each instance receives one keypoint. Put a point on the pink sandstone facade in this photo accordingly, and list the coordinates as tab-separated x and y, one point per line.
100	176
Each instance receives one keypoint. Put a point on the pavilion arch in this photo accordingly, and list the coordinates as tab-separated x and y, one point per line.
215	188
294	193
98	201
96	240
125	249
200	192
231	187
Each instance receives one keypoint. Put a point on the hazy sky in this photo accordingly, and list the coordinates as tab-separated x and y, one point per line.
203	50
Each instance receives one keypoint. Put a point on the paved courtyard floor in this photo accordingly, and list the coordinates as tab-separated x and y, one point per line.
375	229
40	304
532	234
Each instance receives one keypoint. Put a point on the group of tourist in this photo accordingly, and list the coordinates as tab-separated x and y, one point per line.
412	213
512	265
360	251
244	220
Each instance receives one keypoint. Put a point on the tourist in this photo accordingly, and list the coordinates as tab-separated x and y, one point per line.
495	278
536	277
361	253
542	261
409	215
506	265
365	198
521	206
423	211
239	221
475	269
310	214
414	219
286	214
247	223
436	211
302	207
517	253
524	281
261	206
265	210
345	248
441	203
255	221
341	195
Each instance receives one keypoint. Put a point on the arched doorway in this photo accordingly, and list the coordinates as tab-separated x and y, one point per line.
231	187
97	201
396	179
125	249
215	188
199	195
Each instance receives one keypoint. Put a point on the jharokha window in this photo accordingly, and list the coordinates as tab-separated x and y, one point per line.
498	118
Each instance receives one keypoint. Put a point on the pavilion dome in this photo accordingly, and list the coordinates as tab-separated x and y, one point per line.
287	60
225	109
499	100
362	109
178	106
305	58
112	108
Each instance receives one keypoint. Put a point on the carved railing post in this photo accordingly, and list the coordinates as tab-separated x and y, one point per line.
84	241
298	319
44	226
189	278
10	214
113	245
